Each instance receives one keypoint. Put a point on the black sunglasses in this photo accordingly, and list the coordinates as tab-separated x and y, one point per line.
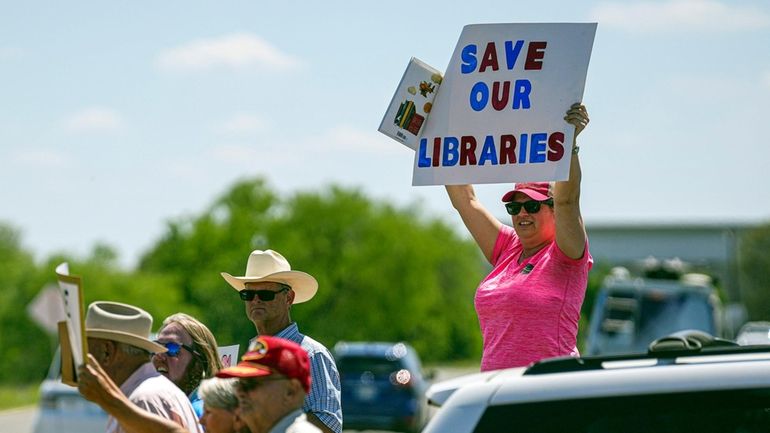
532	206
175	348
263	295
248	384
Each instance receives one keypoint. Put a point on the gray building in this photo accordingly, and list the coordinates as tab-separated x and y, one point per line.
709	248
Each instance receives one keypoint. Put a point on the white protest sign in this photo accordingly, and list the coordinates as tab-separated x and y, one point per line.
71	291
228	355
499	115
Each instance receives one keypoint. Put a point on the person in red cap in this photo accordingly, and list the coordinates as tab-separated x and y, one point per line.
529	305
273	380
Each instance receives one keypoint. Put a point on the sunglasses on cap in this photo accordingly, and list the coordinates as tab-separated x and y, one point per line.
263	295
173	349
531	206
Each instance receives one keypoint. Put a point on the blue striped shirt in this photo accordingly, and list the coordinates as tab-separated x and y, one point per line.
323	400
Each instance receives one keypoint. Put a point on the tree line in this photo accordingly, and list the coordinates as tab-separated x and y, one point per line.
385	273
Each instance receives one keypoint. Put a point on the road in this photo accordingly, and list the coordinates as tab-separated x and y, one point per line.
21	420
17	420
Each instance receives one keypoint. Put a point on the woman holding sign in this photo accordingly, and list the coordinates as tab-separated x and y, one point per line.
529	305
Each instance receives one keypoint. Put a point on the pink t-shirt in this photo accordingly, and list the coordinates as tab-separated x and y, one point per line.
530	311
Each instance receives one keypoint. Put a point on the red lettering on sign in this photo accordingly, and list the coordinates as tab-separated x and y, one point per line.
535	54
467	150
490	58
507	149
556	146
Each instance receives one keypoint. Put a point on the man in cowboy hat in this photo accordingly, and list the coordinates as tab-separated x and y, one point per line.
119	348
269	289
273	380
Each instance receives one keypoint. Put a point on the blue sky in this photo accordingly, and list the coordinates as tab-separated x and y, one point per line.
119	116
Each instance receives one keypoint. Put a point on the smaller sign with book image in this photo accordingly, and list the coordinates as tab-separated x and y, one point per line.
411	104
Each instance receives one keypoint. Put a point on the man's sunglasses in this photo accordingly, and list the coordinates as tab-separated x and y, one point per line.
263	295
173	349
248	384
532	206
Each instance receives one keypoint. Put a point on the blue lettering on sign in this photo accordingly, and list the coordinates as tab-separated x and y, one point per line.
451	154
512	52
468	56
523	149
488	152
479	96
422	159
521	91
537	147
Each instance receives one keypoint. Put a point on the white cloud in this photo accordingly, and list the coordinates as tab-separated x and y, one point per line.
308	154
249	155
338	139
42	158
94	119
680	16
7	53
234	51
348	138
243	123
238	153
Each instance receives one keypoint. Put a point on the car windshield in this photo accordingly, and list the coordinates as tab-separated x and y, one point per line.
631	323
744	411
358	365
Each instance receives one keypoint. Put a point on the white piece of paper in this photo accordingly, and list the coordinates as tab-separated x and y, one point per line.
228	354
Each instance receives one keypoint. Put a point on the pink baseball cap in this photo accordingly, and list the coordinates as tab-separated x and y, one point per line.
535	190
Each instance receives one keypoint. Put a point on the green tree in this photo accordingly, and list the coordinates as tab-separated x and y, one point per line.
194	250
103	280
26	347
384	273
754	261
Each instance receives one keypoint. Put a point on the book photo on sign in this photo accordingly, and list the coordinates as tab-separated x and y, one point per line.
411	104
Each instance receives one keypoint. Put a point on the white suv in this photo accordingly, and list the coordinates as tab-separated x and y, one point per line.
688	382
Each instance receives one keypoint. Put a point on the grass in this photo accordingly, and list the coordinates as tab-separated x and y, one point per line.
12	396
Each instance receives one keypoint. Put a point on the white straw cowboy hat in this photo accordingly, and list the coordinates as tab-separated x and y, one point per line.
270	266
121	322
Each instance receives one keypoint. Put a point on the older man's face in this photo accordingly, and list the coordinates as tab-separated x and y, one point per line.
260	404
106	353
102	350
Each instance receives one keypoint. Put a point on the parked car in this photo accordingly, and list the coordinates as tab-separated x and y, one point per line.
383	387
752	333
630	313
689	382
63	410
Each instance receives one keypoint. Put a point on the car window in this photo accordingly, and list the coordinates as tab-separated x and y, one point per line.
745	411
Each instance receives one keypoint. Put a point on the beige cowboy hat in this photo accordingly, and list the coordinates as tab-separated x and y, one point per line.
121	322
271	266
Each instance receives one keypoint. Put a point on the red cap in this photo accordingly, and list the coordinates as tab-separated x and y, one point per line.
272	355
535	190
